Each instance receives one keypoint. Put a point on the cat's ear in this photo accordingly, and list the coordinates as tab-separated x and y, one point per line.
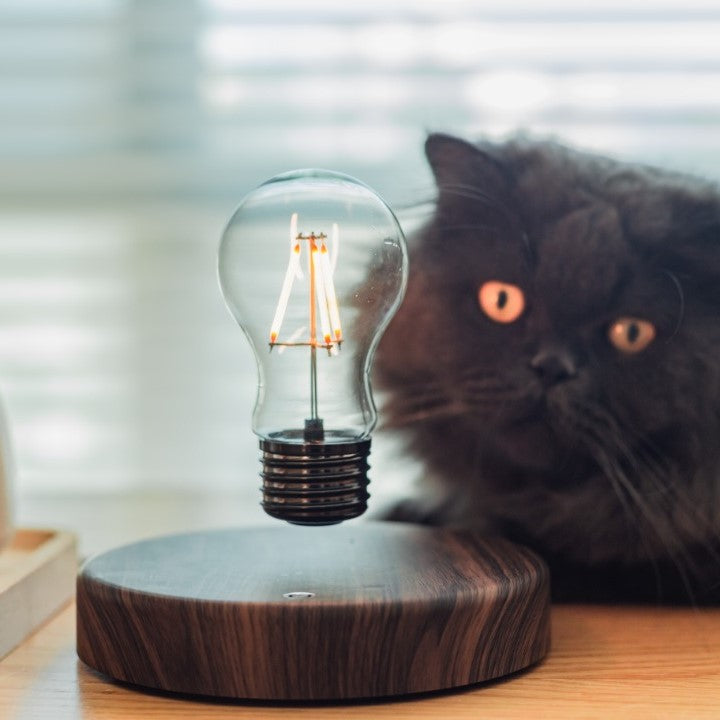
674	221
458	164
695	261
691	249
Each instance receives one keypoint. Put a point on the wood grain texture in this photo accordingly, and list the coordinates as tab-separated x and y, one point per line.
606	662
37	575
395	609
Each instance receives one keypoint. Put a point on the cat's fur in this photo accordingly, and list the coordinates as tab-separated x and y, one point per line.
607	463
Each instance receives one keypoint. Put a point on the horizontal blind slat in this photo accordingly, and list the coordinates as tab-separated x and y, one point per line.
129	129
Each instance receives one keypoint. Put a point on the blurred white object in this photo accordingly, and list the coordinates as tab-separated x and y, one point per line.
7	472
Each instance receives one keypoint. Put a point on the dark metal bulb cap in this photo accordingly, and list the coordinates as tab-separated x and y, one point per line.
314	483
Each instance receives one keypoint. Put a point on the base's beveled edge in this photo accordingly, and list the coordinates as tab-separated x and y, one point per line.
472	626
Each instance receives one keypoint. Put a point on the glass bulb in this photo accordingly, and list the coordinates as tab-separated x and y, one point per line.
313	265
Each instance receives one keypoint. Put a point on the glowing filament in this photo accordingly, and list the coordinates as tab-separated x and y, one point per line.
320	291
327	274
292	271
323	299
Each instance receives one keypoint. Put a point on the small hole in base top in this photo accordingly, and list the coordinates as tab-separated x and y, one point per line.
297	595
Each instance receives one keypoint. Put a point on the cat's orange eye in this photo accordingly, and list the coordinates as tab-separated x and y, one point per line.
501	302
630	334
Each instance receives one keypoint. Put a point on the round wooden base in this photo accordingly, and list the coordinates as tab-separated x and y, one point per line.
292	613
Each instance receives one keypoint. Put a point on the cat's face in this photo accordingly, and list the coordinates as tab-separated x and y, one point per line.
544	331
558	350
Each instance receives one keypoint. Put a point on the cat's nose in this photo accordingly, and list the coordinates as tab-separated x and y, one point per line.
554	365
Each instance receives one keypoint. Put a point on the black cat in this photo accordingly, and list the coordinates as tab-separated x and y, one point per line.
556	363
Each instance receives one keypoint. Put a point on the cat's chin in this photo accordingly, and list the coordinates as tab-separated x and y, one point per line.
530	446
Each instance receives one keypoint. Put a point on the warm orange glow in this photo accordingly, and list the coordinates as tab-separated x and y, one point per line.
331	299
321	291
322	307
311	268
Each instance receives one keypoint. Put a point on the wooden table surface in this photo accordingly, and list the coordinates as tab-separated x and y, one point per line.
605	662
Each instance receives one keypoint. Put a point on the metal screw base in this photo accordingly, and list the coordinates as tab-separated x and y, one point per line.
314	483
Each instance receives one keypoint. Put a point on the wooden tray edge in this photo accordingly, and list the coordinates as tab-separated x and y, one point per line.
42	582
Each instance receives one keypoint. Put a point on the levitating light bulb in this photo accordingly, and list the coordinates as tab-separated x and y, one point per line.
313	265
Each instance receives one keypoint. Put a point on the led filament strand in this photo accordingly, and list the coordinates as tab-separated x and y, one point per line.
322	296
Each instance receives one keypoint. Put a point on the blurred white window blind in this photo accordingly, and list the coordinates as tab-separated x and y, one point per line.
129	129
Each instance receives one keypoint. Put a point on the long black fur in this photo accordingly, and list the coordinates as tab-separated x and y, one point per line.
613	472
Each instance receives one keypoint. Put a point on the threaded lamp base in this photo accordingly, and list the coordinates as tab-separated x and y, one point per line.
314	483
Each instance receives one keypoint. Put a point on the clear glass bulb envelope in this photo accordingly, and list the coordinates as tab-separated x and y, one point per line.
312	265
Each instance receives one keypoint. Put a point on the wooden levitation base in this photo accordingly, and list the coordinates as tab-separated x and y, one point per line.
292	613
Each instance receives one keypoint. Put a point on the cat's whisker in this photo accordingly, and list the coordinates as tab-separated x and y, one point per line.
681	295
471	393
660	478
422	402
660	522
631	521
473	192
424	414
448	228
475	373
421	392
625	492
603	428
487	384
662	530
596	444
